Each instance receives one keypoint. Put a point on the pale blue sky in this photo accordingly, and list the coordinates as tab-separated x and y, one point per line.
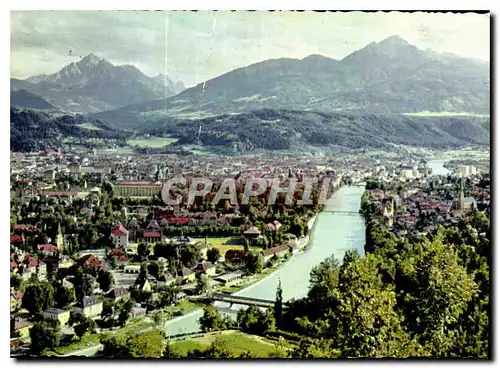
201	45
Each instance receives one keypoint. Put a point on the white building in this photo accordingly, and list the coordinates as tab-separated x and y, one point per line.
466	170
119	235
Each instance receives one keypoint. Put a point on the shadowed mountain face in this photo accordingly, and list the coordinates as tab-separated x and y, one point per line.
32	130
94	84
24	99
390	76
307	131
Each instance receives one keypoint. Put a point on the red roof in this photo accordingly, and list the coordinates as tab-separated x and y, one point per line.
275	250
30	261
90	260
122	259
16	239
179	220
235	253
22	227
16	294
119	230
151	234
117	252
47	248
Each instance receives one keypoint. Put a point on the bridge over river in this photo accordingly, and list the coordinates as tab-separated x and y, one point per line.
348	213
243	300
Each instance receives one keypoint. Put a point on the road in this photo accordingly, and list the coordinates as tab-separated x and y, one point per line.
88	352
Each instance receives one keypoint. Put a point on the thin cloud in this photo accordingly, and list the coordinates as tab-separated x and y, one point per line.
196	46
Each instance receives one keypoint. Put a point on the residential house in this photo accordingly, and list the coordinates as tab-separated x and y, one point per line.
187	274
20	326
91	261
166	279
118	293
16	298
273	226
279	251
146	286
203	247
252	232
57	314
138	311
119	236
47	249
89	307
119	255
13	266
208	268
230	278
235	255
149	236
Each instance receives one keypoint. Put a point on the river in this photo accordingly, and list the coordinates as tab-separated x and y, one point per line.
437	167
332	234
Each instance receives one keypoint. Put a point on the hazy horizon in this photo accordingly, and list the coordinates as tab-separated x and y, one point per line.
197	46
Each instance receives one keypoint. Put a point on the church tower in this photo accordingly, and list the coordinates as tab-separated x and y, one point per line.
59	239
461	204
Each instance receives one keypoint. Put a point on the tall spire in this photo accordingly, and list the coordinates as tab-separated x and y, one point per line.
461	198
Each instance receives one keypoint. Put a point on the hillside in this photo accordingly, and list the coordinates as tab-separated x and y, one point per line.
388	77
94	84
24	99
32	130
302	131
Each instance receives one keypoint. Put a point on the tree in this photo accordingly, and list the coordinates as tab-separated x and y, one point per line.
83	284
124	308
106	280
108	309
43	336
143	251
64	297
114	347
149	344
154	269
86	325
17	282
190	255
160	320
211	320
38	297
253	262
202	284
278	305
213	255
253	320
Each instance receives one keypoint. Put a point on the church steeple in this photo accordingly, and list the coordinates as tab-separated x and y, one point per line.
59	239
461	204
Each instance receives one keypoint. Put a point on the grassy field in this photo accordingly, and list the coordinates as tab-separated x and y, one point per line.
184	307
151	142
89	126
226	243
237	342
85	342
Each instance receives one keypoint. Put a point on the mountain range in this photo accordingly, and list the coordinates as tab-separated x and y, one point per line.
305	104
94	84
387	77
